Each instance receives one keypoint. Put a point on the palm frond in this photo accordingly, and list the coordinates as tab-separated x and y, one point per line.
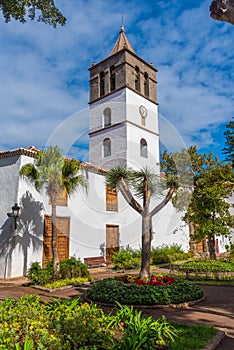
115	174
31	173
137	181
71	177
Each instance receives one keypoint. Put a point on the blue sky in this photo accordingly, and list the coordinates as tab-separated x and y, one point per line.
44	75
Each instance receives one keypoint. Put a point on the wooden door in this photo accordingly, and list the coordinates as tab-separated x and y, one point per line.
63	231
112	241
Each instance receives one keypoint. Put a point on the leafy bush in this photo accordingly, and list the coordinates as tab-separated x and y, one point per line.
32	323
72	267
127	259
63	324
38	275
85	328
230	249
167	254
141	333
111	291
69	268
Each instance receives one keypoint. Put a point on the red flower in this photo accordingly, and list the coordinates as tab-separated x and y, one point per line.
155	280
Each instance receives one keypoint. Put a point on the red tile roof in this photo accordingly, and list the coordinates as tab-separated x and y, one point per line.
32	152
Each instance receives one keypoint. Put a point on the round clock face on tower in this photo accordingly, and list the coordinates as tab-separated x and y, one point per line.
143	111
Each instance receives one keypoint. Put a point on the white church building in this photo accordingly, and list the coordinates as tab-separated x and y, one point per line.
94	221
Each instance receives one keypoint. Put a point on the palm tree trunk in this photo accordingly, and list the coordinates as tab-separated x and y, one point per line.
146	245
54	237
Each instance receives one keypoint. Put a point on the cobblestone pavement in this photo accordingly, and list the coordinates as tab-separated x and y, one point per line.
217	309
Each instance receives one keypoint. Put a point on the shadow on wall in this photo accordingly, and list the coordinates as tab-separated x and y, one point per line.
28	234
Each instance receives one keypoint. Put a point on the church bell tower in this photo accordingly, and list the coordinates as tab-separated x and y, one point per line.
123	110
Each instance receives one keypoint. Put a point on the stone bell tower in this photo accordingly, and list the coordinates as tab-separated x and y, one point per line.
123	110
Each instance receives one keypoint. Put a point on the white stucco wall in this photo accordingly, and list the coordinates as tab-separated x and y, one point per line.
9	169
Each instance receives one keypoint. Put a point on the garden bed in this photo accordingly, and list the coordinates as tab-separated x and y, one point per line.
112	290
205	270
32	323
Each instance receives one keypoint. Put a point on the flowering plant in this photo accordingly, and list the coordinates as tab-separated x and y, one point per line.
155	280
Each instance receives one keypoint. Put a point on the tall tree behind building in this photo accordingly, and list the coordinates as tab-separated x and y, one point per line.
229	149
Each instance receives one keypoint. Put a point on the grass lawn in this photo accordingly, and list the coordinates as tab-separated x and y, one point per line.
192	337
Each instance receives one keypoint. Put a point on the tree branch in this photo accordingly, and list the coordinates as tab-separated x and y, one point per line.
124	189
164	202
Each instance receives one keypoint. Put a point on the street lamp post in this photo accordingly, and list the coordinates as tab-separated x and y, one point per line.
15	213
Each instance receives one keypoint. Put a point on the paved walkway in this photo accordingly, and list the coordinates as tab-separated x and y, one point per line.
216	310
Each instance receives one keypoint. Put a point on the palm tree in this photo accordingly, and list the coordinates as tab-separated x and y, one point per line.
54	173
144	184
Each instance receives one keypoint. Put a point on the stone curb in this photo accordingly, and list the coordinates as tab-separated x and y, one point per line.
214	342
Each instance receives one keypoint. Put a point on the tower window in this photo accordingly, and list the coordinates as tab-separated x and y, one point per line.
112	78
107	117
137	78
143	148
106	148
102	83
146	84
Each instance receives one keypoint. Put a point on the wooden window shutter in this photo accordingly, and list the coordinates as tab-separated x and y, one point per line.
63	233
111	199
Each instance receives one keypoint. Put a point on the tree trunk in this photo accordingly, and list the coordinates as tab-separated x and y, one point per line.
54	237
192	243
211	246
146	246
